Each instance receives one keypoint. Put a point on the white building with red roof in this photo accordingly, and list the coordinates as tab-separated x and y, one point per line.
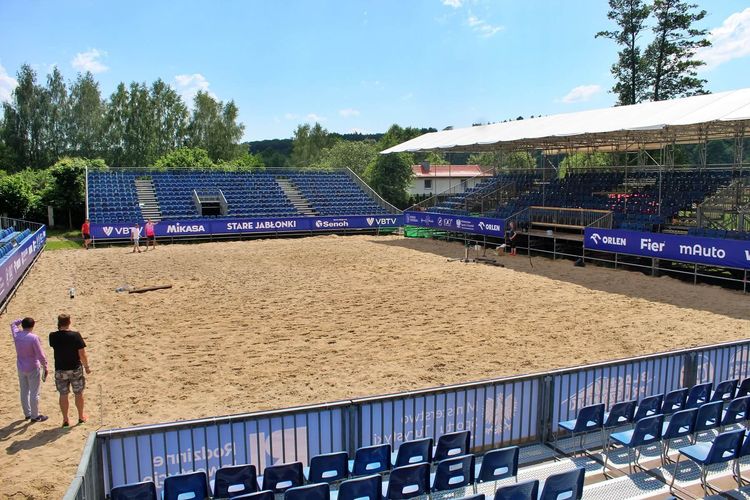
433	179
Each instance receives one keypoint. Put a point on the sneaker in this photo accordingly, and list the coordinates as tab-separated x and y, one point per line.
27	417
39	418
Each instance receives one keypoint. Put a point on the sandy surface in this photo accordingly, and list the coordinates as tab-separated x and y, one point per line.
267	324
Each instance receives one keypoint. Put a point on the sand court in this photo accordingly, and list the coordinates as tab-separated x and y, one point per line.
252	325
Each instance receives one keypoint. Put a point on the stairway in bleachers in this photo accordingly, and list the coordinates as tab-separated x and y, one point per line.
299	201
144	189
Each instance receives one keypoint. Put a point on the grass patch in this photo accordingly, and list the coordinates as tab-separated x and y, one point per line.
62	245
63	233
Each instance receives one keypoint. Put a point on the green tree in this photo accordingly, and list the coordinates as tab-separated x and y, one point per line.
391	175
196	158
69	184
86	120
308	144
214	127
56	117
140	128
583	161
115	123
23	194
671	55
348	154
170	117
245	162
630	69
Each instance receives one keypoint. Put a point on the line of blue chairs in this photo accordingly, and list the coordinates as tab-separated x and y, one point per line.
375	473
660	419
11	240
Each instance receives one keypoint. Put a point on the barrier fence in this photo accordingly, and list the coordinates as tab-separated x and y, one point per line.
15	264
500	412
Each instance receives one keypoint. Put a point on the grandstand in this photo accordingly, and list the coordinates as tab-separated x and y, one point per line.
135	195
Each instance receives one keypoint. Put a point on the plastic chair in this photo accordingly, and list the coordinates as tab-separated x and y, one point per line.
569	484
698	395
725	390
744	388
235	480
370	487
646	431
328	468
184	484
478	496
258	495
708	417
455	472
648	407
279	478
134	491
452	444
620	414
317	491
525	490
744	452
725	447
372	459
412	452
736	411
589	418
499	464
680	425
674	401
409	481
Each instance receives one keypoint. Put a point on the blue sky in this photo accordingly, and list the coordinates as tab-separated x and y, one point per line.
352	65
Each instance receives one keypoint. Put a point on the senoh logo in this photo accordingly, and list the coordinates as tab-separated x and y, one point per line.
331	224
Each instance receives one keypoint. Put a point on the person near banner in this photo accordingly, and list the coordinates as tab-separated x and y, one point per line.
86	233
150	234
70	363
512	237
32	367
135	236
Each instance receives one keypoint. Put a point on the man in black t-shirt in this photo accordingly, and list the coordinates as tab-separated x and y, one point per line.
70	362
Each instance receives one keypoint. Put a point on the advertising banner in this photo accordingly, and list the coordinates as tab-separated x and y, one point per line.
693	249
206	227
15	264
457	223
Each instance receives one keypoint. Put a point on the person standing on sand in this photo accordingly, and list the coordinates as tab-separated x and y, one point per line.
150	234
86	233
512	237
32	365
70	362
135	235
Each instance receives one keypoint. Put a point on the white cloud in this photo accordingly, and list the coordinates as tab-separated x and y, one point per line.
482	27
7	84
729	41
189	85
312	117
349	112
582	93
453	3
90	61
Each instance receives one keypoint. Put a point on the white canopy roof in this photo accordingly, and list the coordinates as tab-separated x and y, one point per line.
648	124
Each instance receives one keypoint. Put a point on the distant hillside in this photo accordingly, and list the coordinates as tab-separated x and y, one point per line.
276	152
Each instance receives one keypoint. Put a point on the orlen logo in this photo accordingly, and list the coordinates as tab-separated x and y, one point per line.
179	228
489	227
609	240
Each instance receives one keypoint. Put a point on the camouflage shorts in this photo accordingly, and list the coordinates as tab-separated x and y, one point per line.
65	379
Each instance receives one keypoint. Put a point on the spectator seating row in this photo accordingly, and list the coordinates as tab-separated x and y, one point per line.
11	239
112	197
334	193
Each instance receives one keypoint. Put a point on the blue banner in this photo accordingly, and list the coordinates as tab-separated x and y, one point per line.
206	227
457	223
693	249
14	264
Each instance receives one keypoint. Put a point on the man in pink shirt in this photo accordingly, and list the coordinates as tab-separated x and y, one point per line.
150	234
32	365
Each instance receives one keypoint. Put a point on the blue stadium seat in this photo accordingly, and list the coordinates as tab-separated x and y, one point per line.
499	464
452	444
674	401
526	490
235	480
698	395
725	447
258	495
180	486
646	431
682	424
454	472
589	418
408	481
145	490
279	478
736	412
371	459
412	452
316	491
648	407
708	417
568	485
369	487
725	390
328	468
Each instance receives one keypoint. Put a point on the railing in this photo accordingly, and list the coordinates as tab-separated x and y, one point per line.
88	482
379	199
16	264
452	191
499	412
20	224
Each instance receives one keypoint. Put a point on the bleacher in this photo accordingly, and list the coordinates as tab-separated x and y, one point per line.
334	193
633	197
688	442
10	239
112	196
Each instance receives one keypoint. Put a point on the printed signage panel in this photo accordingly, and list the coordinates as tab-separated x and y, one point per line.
457	223
205	227
16	263
693	249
